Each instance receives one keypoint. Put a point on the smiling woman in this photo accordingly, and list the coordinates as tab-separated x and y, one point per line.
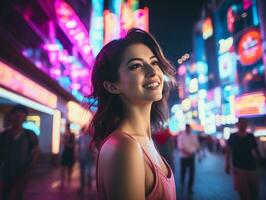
128	82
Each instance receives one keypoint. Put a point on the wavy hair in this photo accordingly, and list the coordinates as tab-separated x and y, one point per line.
110	110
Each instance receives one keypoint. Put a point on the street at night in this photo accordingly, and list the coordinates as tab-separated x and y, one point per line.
165	100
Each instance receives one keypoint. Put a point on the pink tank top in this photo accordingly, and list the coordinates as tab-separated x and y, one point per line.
164	187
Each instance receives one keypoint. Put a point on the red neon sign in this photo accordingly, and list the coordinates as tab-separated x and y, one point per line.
21	84
250	47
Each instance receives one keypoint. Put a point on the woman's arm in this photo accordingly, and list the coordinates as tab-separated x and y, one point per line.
121	169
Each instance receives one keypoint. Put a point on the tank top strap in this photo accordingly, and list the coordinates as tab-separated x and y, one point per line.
146	156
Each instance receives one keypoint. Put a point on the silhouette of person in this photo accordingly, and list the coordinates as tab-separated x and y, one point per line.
68	156
86	159
18	154
188	145
240	151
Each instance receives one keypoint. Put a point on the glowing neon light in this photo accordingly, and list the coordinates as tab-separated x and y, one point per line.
127	18
247	4
74	29
24	101
78	114
231	18
193	85
56	132
96	27
227	65
142	18
225	45
207	29
250	104
250	47
110	20
23	85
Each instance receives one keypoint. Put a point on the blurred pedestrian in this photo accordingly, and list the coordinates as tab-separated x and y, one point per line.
242	147
86	160
188	145
128	84
68	156
18	154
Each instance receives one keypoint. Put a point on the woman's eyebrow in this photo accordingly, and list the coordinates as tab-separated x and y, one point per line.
138	59
134	59
152	57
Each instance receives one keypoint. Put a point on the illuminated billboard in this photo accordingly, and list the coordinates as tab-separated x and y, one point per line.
249	47
250	104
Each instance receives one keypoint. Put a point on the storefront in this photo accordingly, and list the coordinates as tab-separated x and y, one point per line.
48	108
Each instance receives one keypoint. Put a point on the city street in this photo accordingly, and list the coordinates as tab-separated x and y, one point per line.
211	183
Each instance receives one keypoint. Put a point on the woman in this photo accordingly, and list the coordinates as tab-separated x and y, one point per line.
67	159
128	83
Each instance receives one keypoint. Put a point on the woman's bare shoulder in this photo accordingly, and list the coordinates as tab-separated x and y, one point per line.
120	144
121	168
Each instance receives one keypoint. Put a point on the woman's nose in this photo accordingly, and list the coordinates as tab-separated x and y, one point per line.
149	70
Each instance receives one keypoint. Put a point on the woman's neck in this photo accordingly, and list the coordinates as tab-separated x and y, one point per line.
137	121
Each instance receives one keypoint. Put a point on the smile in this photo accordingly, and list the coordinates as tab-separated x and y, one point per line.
153	85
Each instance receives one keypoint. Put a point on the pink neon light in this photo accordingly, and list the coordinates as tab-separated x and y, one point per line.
23	85
110	21
77	34
129	19
142	18
80	36
71	24
247	4
52	47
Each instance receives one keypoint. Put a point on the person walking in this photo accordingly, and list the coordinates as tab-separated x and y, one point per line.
241	161
188	145
131	92
18	154
68	156
86	160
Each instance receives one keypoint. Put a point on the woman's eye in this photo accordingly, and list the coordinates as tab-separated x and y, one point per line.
135	66
155	63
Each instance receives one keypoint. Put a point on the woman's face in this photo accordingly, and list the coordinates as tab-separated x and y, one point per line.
140	77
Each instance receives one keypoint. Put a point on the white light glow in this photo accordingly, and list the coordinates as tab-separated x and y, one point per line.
26	102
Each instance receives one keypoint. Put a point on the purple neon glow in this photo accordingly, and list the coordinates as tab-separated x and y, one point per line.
74	29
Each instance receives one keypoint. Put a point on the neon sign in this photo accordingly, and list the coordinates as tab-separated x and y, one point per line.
129	19
227	65
225	45
22	85
250	104
74	29
231	18
111	20
250	47
96	26
207	29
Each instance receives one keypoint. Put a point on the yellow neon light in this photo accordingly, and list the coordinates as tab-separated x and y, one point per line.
251	104
207	29
23	85
56	132
77	114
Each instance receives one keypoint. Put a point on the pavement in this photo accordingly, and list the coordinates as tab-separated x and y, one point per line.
211	183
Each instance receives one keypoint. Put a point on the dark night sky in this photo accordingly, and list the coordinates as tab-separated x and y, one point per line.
171	23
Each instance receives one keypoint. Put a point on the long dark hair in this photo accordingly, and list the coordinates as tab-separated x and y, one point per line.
110	110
